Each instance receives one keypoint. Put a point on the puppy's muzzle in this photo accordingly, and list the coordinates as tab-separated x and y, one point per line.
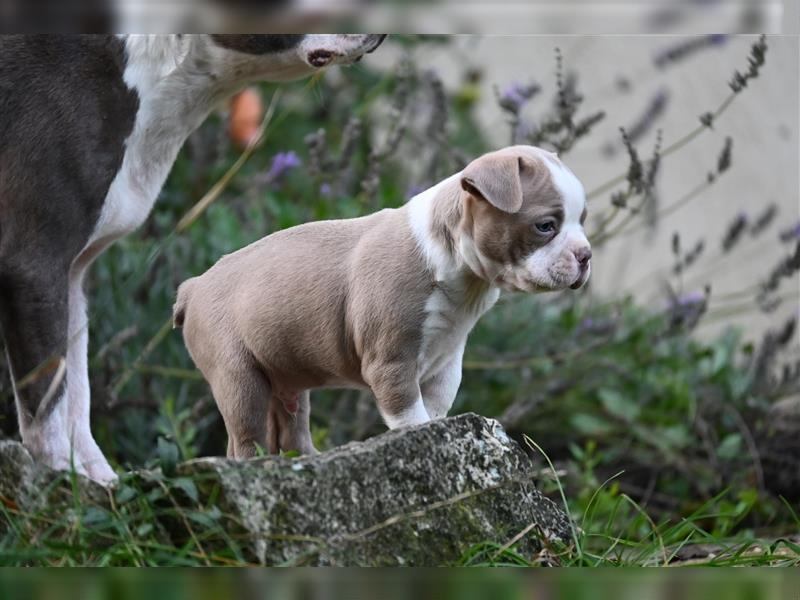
583	256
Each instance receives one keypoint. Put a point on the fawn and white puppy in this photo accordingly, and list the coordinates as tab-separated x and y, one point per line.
384	301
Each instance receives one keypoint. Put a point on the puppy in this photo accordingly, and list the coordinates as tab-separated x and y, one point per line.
89	129
383	302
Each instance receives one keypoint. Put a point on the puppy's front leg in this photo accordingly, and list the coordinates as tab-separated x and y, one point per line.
439	391
398	395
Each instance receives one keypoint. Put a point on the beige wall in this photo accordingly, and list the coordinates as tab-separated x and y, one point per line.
763	122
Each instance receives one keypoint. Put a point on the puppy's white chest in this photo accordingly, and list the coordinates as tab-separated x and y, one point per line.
449	317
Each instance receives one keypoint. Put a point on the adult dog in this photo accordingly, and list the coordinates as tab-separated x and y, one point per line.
89	129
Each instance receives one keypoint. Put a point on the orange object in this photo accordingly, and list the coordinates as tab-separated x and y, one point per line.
246	112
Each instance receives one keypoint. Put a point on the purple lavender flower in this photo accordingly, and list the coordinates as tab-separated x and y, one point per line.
734	232
282	162
690	299
514	96
686	310
792	233
684	48
600	326
326	190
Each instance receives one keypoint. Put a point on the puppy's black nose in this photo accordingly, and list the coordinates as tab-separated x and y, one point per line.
583	255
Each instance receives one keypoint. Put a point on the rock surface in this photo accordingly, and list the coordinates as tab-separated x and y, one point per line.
417	496
778	442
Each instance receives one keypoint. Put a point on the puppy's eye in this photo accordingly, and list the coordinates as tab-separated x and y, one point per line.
546	227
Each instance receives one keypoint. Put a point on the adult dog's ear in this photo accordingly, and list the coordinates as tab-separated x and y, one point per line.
496	180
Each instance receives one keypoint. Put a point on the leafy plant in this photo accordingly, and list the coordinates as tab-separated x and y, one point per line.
662	439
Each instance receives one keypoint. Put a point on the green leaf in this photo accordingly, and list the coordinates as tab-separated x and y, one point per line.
675	436
187	486
95	515
125	494
730	447
618	405
590	425
167	454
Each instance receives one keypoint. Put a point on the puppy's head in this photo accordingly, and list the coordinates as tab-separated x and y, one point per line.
523	221
290	56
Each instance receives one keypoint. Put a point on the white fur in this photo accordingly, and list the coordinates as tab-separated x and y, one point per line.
439	392
46	438
554	266
414	415
450	312
449	317
441	263
86	452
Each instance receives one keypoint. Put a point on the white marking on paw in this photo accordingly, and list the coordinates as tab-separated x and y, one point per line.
414	415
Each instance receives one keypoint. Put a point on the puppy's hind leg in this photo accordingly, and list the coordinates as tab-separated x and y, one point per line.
289	427
242	396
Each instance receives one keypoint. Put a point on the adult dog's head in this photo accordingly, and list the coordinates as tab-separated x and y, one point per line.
281	57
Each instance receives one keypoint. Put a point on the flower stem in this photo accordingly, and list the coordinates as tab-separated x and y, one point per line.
672	148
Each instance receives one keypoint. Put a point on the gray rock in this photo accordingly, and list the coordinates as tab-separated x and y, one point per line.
20	476
418	496
28	486
778	441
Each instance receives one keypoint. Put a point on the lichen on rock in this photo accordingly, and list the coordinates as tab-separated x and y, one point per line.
416	496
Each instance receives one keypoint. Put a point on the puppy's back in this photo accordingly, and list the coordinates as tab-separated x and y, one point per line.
282	300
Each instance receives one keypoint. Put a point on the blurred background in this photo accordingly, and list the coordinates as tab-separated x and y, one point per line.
673	378
366	584
396	16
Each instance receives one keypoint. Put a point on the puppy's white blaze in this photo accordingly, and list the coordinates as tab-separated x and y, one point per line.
555	265
414	415
571	190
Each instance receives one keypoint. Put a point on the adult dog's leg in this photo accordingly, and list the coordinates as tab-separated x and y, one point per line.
78	393
34	315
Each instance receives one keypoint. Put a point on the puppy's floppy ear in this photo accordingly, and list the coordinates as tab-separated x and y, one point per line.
496	180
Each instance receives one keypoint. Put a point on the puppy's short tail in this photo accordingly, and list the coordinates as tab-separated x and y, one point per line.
179	309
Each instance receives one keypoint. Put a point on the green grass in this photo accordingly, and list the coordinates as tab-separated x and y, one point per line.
158	518
653	432
612	529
